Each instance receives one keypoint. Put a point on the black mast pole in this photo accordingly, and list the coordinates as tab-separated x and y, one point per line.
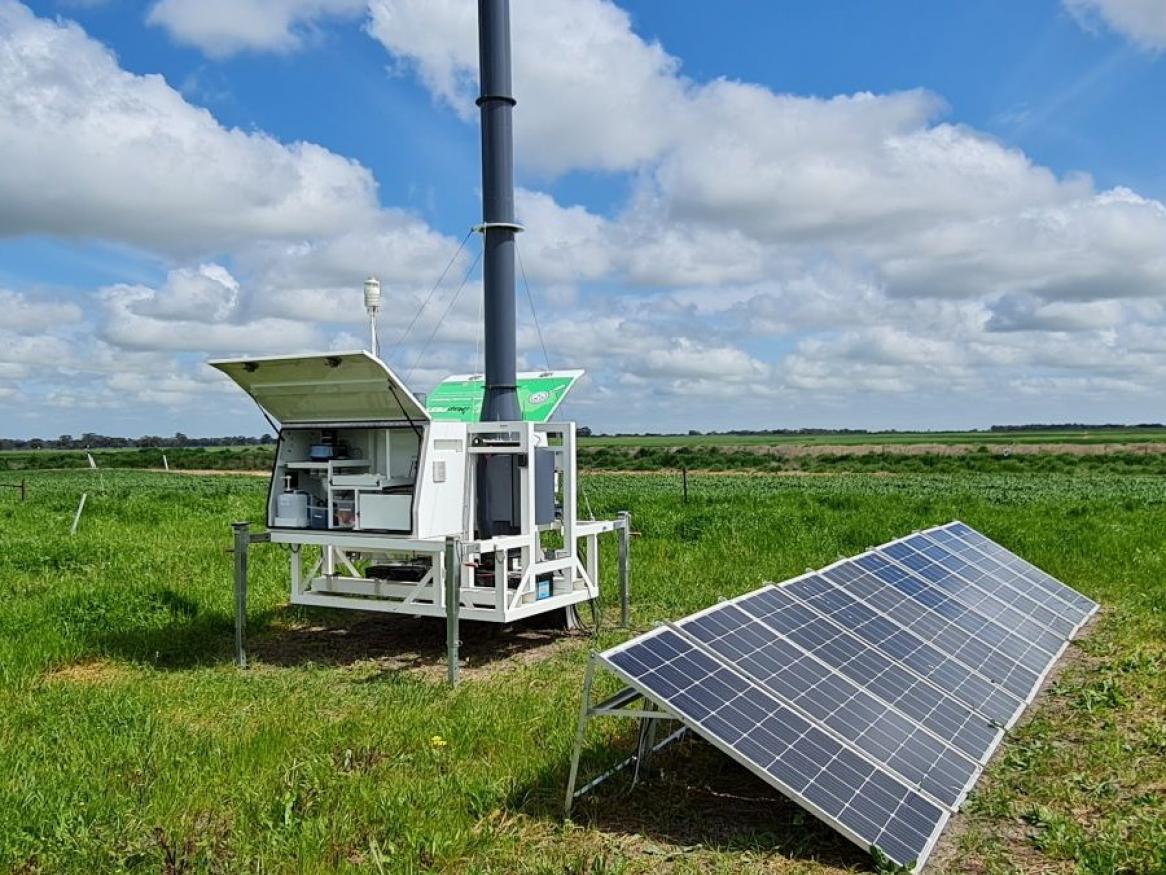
497	104
496	474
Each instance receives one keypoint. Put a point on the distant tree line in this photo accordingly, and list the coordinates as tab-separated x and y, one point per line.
1077	426
809	432
92	441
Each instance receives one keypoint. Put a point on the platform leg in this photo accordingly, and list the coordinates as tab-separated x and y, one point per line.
453	588
625	561
242	545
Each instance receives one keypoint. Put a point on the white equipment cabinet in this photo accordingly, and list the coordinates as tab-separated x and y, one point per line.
387	485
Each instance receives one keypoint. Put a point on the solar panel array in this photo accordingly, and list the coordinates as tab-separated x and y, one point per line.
874	691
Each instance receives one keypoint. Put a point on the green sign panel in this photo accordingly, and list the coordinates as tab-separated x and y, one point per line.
459	399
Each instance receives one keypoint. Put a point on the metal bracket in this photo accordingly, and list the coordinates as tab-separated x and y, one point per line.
483	227
617	706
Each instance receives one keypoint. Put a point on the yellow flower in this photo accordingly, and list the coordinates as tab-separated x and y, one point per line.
437	741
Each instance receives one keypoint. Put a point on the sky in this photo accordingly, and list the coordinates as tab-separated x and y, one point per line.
910	214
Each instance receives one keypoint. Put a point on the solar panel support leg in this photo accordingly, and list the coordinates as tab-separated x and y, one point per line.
584	716
646	745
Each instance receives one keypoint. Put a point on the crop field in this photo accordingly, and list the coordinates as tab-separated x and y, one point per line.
130	742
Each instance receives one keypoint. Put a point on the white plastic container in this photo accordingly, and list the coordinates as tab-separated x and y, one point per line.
291	510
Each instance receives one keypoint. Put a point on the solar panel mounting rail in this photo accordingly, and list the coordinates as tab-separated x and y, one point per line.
872	692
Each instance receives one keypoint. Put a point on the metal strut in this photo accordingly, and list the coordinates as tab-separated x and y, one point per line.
617	706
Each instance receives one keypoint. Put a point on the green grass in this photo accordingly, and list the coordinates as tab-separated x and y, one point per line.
128	742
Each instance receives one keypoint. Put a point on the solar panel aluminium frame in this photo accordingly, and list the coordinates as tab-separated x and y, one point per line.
817	722
757	770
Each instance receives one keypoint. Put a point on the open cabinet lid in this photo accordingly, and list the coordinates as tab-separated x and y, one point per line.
324	388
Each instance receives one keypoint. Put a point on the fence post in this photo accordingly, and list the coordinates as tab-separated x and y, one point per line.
684	479
23	489
453	593
625	561
242	545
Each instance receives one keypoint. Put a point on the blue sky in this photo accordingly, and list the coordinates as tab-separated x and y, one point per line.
744	214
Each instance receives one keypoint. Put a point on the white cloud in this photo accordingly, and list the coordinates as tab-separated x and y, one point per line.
1141	21
601	98
197	310
88	149
225	27
24	314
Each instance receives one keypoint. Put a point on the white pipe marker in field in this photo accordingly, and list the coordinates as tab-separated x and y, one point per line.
77	516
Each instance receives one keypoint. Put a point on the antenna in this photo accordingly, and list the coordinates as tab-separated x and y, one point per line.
372	303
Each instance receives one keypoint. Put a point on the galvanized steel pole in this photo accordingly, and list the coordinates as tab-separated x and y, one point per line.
453	591
242	545
625	563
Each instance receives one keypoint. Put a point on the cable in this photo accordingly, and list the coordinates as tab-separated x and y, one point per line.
436	285
533	312
453	301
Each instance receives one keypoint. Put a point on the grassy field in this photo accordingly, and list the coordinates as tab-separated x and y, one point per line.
128	741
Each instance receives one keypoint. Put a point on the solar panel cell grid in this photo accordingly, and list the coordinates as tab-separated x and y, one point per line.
887	636
873	807
884	677
910	553
990	575
836	703
867	691
1005	657
1031	574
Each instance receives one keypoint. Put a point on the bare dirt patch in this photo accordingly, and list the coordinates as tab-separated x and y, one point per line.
91	672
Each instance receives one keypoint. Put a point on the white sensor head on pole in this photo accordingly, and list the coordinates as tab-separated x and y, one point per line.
372	295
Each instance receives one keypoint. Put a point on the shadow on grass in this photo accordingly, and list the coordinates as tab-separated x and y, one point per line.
696	799
399	643
169	631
